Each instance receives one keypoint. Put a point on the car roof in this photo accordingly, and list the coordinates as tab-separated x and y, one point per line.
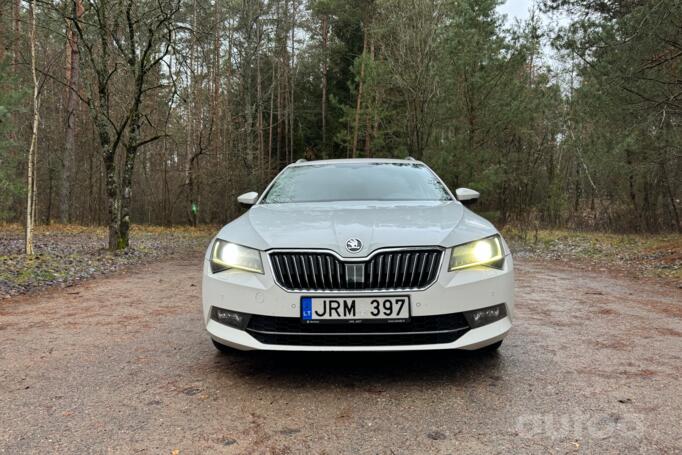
354	161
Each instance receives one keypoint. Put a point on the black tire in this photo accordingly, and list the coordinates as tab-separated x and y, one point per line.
222	348
491	347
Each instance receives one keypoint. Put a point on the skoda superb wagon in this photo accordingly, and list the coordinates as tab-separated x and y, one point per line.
358	255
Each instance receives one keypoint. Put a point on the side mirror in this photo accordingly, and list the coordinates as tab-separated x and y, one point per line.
467	196
249	198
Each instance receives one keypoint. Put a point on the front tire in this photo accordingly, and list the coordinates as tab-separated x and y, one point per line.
491	347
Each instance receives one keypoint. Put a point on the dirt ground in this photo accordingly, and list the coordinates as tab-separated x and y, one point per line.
122	365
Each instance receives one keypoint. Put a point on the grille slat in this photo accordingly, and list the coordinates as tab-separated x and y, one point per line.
286	265
305	272
275	266
386	270
414	267
329	268
423	263
407	260
338	273
432	265
322	270
379	272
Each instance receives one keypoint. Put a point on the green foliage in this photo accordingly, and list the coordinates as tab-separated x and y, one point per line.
626	111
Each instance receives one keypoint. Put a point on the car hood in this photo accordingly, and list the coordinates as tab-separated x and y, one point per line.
375	224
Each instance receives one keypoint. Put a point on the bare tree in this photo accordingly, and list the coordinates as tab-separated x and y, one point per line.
32	151
139	44
72	81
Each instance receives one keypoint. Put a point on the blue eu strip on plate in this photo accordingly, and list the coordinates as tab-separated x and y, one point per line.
306	308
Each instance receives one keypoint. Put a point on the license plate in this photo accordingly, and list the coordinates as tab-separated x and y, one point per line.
355	309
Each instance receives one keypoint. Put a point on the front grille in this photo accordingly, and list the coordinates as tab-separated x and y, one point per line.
388	270
438	329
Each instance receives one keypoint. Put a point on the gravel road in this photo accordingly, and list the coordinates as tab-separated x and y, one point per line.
122	365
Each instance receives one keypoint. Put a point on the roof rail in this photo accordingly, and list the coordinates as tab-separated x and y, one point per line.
409	158
301	160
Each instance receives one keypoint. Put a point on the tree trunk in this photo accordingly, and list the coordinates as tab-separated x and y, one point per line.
215	102
189	180
259	96
280	59
127	181
3	38
50	185
358	103
17	31
279	116
292	78
272	110
228	121
671	197
216	121
32	151
325	46
368	114
72	81
113	202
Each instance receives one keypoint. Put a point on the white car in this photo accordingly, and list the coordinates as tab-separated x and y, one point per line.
358	255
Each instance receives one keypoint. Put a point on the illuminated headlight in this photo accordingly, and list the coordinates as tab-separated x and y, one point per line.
485	252
226	255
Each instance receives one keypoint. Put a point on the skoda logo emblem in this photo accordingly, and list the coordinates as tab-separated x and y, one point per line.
353	245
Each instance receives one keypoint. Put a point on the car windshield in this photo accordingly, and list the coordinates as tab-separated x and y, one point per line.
356	182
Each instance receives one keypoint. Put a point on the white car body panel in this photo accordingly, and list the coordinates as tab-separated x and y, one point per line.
380	225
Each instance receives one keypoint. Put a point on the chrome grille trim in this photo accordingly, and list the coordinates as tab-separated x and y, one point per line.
388	269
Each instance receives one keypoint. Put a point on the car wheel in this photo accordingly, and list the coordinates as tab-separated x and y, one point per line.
491	347
222	348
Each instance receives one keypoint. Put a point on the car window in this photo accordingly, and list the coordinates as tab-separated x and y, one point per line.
356	182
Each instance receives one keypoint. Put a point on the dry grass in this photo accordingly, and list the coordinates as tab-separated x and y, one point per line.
651	254
52	229
65	254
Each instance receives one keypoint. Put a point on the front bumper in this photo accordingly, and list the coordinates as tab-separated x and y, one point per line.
453	292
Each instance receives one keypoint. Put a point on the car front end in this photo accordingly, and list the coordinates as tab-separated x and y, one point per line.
358	276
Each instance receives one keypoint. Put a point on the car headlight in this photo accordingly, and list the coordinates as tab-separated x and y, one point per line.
485	252
226	255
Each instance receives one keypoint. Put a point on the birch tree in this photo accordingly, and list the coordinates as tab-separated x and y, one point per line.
33	147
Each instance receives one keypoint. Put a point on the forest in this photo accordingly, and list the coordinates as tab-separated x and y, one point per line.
161	112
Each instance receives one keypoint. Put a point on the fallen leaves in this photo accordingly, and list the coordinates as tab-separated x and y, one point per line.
68	254
642	254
